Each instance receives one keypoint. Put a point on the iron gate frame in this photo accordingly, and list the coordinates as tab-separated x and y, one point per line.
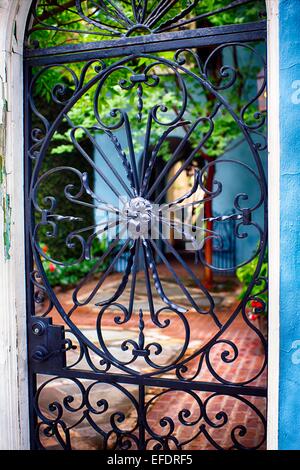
37	329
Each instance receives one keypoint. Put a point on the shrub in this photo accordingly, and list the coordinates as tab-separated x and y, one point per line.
69	274
245	276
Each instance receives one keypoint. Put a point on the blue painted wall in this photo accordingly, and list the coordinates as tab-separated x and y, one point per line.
235	179
289	404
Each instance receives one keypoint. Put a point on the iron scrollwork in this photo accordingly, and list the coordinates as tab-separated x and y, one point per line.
87	405
132	221
115	19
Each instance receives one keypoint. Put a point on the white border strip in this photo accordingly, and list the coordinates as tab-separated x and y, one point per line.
14	408
274	221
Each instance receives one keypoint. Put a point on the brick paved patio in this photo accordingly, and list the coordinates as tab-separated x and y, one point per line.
226	416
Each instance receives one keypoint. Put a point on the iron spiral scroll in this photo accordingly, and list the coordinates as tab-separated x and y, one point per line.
117	19
181	376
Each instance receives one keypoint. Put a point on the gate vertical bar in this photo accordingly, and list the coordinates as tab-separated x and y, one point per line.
141	416
27	72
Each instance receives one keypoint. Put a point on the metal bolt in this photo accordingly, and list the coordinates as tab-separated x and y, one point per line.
38	328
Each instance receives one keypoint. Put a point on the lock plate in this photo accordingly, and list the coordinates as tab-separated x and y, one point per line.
46	344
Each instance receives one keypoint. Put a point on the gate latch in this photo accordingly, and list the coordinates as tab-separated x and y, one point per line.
47	344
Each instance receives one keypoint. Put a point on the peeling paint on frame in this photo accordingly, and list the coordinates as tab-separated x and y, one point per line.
4	197
14	409
6	207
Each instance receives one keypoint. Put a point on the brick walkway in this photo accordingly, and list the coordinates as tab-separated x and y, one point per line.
239	414
228	418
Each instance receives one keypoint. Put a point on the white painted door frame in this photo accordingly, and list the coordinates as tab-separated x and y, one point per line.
14	414
274	220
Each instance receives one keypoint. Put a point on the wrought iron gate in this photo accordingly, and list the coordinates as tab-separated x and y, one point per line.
148	46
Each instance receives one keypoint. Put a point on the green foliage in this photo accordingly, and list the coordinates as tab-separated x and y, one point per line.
242	14
54	186
62	151
55	13
167	92
245	276
72	272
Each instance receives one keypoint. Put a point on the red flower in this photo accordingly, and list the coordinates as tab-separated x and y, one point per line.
52	268
45	248
256	304
253	317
